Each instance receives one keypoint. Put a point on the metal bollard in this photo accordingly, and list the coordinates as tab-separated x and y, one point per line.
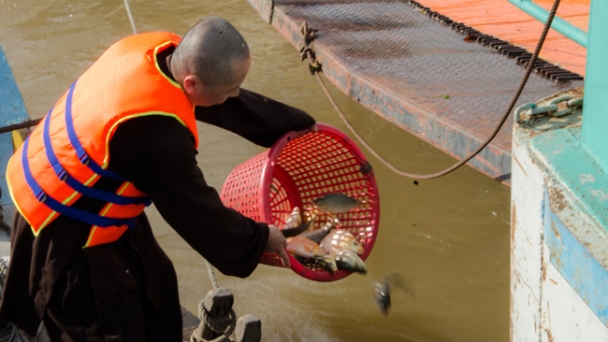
218	320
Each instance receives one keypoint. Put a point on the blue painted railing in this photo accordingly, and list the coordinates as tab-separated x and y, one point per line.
574	33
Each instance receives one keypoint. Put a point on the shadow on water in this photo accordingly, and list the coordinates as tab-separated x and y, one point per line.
448	238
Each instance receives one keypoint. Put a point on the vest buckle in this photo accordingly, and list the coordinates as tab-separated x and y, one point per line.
84	159
41	197
63	175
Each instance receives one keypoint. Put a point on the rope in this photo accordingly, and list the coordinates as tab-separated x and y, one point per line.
130	16
315	68
224	325
24	124
211	274
214	323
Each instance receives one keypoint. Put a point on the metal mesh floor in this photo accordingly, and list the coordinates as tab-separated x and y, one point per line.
417	71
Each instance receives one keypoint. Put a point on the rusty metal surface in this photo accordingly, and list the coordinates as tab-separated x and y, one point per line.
417	72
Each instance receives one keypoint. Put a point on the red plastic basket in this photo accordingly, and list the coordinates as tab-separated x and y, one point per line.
299	168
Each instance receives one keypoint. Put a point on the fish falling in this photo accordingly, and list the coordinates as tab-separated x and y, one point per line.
384	287
383	295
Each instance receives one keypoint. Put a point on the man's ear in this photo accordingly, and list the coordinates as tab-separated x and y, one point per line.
191	82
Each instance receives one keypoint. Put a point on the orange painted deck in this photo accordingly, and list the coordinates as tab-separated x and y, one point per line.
413	63
504	20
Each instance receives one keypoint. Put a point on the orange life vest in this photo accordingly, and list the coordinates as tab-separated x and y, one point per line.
68	152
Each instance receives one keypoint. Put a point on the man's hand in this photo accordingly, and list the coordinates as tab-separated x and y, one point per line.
277	243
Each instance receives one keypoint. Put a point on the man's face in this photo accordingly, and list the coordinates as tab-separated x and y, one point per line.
205	96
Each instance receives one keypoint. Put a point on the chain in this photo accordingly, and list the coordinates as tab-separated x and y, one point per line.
527	114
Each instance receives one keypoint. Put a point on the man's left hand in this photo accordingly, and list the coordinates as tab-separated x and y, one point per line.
277	243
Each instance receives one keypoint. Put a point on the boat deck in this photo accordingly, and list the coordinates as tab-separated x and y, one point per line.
441	79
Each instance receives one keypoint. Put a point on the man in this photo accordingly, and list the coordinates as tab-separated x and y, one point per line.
83	258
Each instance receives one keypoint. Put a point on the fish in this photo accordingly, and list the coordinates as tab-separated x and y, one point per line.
327	262
294	219
350	261
336	203
317	235
308	214
340	240
298	230
305	250
303	247
383	295
383	289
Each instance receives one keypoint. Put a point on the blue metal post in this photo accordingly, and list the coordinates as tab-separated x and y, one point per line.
595	108
577	35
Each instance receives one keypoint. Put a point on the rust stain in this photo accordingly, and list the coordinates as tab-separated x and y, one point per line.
549	336
548	329
555	230
513	225
557	199
520	166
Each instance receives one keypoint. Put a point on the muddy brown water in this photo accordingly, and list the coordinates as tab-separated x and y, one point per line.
447	239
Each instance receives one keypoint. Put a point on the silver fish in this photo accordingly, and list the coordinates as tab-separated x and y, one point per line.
350	261
294	219
298	230
340	240
383	288
317	235
327	262
336	203
383	295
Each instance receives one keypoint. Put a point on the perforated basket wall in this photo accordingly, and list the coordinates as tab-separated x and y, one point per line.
299	168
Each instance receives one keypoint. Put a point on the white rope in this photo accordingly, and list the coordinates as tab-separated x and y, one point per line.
130	16
209	267
211	274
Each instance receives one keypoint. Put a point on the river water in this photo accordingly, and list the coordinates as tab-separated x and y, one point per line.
447	239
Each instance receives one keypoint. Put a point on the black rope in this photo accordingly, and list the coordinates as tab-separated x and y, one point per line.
307	32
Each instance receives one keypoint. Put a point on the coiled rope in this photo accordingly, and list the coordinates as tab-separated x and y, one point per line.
315	69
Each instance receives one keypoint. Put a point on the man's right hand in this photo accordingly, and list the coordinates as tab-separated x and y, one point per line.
277	243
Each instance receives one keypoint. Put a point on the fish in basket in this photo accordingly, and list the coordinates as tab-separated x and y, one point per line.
319	183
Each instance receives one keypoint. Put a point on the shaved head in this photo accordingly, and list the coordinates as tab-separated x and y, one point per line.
208	50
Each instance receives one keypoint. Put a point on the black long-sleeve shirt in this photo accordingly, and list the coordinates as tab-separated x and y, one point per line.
157	155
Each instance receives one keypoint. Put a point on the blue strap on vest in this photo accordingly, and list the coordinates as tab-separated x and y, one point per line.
77	214
82	154
101	195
